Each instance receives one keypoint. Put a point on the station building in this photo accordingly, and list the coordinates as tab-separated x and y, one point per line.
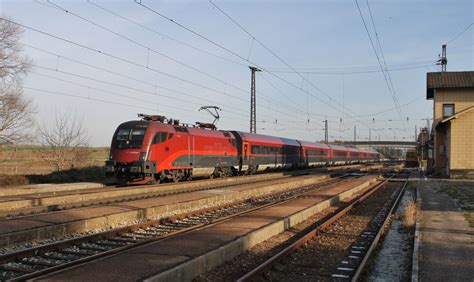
452	135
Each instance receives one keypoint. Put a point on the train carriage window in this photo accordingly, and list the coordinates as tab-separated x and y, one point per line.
315	153
340	154
254	149
160	137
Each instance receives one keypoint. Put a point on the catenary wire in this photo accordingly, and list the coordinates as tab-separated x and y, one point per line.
146	47
378	60
263	96
241	57
361	72
122	59
460	34
277	56
164	35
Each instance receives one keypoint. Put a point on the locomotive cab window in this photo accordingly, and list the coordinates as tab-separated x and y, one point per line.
123	134
160	137
130	138
136	137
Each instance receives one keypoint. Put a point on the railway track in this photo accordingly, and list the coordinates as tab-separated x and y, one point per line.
34	262
64	200
100	196
352	264
165	191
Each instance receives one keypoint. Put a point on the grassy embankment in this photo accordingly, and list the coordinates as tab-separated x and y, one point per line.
20	165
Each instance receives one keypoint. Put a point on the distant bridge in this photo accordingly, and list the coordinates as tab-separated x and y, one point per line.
383	144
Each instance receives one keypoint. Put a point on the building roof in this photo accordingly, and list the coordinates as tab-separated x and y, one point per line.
457	79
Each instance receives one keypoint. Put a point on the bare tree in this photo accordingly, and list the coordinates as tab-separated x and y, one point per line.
65	142
15	109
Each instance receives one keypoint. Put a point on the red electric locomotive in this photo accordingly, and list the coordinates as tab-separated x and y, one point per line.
157	149
160	149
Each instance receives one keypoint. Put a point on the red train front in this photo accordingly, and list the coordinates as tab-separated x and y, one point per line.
156	149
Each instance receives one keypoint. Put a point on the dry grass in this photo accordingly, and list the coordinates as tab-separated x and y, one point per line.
469	215
26	164
85	174
13	180
409	215
30	159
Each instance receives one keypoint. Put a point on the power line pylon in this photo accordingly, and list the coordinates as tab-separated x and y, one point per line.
443	60
253	102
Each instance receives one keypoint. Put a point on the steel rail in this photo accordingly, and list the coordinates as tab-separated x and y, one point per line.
381	231
16	213
309	235
57	246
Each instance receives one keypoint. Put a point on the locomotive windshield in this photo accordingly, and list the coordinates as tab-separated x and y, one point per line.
130	138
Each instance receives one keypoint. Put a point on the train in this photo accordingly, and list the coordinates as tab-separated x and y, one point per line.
411	158
156	149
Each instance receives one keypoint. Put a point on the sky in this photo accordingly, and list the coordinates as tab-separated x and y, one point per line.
106	61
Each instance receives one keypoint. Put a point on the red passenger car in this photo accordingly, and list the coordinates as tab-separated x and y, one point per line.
261	152
315	154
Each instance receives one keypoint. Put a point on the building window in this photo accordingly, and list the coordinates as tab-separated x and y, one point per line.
448	110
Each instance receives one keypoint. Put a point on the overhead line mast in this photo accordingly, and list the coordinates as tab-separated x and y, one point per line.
253	102
443	60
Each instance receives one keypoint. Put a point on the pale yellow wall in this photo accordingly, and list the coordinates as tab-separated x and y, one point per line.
460	146
461	98
462	142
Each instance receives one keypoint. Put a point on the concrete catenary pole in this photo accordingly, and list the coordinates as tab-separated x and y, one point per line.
355	131
253	102
326	134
